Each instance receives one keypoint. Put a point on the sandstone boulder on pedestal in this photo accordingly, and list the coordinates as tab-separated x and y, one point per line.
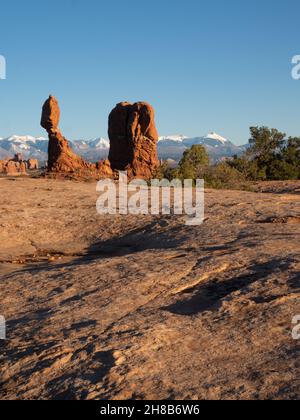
133	139
61	158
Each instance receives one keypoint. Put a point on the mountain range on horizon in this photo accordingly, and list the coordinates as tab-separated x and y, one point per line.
169	147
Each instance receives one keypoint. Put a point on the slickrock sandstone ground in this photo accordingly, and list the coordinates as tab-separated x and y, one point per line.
145	307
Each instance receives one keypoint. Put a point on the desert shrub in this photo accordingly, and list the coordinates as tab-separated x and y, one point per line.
224	176
249	169
165	171
291	157
281	170
193	163
271	156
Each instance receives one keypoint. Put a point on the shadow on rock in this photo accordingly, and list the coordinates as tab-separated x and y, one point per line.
209	297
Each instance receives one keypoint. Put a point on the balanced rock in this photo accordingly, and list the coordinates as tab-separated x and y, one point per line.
61	158
133	139
60	155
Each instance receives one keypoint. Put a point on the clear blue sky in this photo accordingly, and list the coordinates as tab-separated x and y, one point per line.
204	65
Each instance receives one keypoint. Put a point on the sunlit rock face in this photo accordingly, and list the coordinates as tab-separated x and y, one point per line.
133	139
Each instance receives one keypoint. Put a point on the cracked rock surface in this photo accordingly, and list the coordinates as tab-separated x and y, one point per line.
121	307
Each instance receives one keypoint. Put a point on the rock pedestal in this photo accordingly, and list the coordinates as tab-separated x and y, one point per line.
61	158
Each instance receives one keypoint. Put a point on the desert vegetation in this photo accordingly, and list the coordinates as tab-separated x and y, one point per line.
271	156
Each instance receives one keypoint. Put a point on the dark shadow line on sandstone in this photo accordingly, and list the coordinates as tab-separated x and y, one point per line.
94	372
142	239
294	282
209	297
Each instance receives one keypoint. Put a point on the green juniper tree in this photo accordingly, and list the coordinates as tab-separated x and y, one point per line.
193	162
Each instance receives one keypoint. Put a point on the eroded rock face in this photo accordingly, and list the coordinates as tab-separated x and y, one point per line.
120	154
104	169
2	166
33	164
18	166
50	115
61	158
133	139
133	142
13	168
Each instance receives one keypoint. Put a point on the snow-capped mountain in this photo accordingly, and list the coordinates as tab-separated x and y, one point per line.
28	146
169	147
218	147
173	138
24	139
91	150
212	137
216	137
94	144
37	148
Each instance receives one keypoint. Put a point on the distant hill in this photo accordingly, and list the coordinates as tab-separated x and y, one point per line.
218	147
169	147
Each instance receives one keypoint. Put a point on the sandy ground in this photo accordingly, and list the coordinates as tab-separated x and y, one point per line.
115	307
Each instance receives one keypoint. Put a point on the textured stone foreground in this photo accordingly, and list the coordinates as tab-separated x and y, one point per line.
104	307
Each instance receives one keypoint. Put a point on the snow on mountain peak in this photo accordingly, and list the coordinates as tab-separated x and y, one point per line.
24	139
101	143
97	149
178	138
98	143
217	137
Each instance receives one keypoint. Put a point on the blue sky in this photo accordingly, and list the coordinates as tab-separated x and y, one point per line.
204	65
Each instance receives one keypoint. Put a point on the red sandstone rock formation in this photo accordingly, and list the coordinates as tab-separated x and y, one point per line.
23	168
2	166
61	158
104	168
17	166
33	164
12	168
133	139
